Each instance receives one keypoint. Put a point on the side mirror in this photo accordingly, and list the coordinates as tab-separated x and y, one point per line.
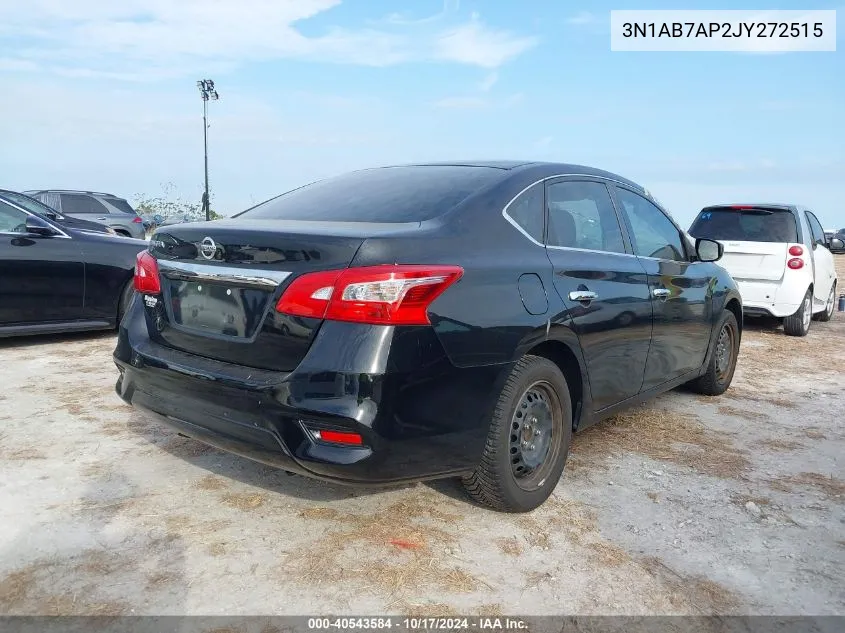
836	244
708	250
38	226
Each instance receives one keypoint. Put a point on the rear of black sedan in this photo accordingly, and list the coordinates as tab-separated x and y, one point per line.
368	329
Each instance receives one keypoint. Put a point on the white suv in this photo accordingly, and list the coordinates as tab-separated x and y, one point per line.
778	255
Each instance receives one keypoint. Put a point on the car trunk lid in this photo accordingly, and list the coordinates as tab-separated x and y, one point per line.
220	282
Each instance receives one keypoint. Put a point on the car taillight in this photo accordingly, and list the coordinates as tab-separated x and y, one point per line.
339	437
795	263
137	219
146	274
378	295
796	251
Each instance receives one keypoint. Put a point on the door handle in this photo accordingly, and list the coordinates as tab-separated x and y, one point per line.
582	295
102	219
661	293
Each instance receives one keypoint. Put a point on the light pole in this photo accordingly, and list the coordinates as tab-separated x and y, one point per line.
207	91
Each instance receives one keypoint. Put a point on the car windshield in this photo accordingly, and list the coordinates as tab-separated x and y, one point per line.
30	204
391	194
745	225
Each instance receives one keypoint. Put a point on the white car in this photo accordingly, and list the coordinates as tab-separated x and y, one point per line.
779	257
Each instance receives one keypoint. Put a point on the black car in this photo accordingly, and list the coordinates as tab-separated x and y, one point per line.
48	213
426	321
57	277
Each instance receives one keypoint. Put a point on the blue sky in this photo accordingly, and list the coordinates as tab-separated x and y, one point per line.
102	95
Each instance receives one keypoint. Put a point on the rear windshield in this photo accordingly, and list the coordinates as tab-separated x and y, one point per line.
120	204
391	194
745	225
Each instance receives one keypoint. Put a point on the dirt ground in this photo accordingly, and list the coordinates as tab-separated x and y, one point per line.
688	505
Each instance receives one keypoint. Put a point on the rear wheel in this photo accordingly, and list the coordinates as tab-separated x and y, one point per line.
798	324
828	307
126	297
529	439
723	356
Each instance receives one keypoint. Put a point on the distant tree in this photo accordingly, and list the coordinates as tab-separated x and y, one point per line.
171	204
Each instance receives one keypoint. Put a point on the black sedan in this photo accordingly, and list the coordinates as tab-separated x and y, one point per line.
48	213
57	277
426	321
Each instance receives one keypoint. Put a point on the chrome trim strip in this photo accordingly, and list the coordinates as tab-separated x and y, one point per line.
590	250
542	180
227	274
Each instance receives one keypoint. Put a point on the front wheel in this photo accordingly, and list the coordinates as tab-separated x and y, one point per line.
798	324
528	441
723	356
828	307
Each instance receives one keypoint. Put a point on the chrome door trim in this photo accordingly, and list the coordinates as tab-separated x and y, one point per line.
186	271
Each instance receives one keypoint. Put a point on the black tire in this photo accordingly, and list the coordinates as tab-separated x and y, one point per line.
126	296
798	324
720	370
535	385
825	316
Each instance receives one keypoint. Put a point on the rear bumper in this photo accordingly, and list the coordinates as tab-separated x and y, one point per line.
416	424
775	298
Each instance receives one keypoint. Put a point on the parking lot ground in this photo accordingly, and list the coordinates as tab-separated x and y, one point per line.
689	504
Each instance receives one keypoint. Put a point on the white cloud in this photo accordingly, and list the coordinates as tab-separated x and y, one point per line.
164	38
475	44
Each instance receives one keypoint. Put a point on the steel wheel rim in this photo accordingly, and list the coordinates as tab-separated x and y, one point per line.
536	426
807	314
724	351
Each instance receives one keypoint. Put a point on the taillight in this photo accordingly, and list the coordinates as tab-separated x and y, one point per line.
795	263
339	437
796	251
379	295
146	274
137	219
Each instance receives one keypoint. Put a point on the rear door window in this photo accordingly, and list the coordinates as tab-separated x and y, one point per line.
581	215
745	225
73	203
388	194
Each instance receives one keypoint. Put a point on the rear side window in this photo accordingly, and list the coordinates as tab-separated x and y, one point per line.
746	225
76	203
120	204
527	211
816	228
581	215
390	194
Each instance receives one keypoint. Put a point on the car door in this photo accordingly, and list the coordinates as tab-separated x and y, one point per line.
824	266
603	285
680	289
41	278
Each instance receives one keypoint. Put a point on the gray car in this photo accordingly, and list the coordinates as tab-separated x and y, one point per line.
103	208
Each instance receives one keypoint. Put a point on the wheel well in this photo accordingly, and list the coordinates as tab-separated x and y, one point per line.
562	356
733	306
123	232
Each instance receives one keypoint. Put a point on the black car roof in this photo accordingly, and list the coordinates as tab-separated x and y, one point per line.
542	169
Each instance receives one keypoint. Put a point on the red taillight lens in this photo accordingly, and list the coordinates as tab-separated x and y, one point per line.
379	295
795	263
339	437
796	251
137	219
146	274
